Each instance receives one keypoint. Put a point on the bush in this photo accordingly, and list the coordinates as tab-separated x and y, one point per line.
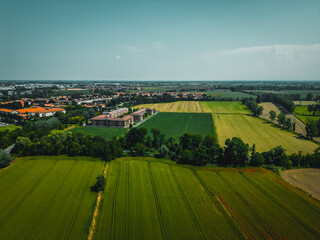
5	159
99	185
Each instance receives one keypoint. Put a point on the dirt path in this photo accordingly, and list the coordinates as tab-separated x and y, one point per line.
306	179
97	208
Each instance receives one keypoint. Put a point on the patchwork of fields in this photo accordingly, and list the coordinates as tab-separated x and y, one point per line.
175	124
147	198
47	197
182	106
108	133
303	114
231	119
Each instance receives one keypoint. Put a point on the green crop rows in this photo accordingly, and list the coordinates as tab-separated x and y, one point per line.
47	197
150	199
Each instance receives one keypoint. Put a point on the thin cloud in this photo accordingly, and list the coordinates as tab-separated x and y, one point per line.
117	57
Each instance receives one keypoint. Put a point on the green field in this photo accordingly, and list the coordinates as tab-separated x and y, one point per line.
10	128
150	199
235	96
47	197
175	124
108	133
224	107
303	114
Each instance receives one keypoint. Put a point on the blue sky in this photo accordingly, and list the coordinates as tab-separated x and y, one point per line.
160	40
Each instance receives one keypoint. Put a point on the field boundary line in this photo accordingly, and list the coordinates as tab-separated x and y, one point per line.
114	201
28	193
270	195
95	214
156	199
228	217
76	211
265	222
127	201
194	219
51	200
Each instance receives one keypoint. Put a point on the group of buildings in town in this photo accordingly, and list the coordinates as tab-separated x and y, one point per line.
120	117
31	112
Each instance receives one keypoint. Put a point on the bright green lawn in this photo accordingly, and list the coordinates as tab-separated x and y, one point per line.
48	197
175	124
10	128
154	199
108	133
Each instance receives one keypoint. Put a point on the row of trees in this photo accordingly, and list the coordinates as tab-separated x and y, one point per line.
312	128
315	108
283	101
253	106
190	149
282	120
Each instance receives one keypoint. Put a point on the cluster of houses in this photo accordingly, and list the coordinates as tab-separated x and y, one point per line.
120	117
31	112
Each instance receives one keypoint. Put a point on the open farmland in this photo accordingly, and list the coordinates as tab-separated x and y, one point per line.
306	179
259	132
108	133
231	119
227	94
303	114
47	197
156	199
183	106
224	107
175	124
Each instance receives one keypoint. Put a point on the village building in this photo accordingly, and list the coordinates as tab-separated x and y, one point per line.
138	115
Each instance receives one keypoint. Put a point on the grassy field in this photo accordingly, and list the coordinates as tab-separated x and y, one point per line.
303	114
108	133
10	128
259	132
223	94
175	124
305	179
183	106
150	199
231	119
47	197
224	107
304	103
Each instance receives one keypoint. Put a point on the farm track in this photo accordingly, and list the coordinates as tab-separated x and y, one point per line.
114	203
50	202
185	200
156	199
127	201
271	196
75	213
221	207
32	188
264	222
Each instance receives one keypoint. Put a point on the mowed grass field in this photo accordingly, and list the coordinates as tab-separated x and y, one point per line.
182	106
157	199
108	133
48	197
175	124
232	119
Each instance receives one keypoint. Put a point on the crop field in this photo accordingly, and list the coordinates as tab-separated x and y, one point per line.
304	103
47	197
305	179
303	114
175	124
259	132
108	133
157	199
224	107
183	106
223	94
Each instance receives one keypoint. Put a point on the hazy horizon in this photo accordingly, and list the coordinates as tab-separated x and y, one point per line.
160	40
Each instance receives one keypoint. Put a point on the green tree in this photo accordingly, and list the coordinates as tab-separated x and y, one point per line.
311	128
257	159
99	185
273	115
140	150
22	145
282	119
236	152
5	159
